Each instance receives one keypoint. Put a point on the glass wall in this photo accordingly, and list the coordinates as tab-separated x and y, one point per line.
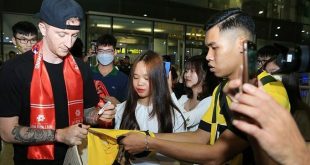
97	25
133	36
195	37
169	41
292	10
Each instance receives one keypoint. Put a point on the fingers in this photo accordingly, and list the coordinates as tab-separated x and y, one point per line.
245	110
232	85
76	133
232	88
109	112
247	127
112	99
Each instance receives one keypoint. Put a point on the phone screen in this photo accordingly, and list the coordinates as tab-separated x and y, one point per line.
167	68
249	62
93	45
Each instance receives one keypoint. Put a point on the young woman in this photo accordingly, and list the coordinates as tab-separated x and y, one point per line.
149	105
199	84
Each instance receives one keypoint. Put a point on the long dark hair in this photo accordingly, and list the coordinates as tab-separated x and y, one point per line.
163	107
205	76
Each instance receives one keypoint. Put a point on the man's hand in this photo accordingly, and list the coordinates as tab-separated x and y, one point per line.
72	135
269	123
134	142
112	99
108	114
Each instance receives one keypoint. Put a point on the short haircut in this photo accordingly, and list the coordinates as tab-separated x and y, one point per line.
107	40
24	28
232	18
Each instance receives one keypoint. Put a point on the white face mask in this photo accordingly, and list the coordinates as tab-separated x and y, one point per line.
105	58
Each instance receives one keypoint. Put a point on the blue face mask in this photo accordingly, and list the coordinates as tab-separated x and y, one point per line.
105	58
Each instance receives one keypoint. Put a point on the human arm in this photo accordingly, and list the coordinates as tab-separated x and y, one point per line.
12	132
270	124
227	146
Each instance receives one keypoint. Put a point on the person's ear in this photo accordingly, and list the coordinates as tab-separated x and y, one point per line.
43	28
14	41
240	43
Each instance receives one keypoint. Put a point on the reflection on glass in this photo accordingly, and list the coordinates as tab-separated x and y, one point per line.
132	26
97	25
195	37
169	41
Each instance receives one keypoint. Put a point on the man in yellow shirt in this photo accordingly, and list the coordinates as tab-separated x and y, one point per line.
216	141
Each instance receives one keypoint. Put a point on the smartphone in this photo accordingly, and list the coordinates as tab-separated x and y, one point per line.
249	68
167	68
93	46
92	58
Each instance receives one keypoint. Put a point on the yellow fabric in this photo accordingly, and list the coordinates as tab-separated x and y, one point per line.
275	89
102	145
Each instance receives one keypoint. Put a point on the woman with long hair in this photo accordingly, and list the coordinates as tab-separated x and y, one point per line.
149	105
199	84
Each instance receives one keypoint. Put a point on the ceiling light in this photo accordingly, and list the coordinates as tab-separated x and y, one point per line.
261	12
276	35
118	27
278	27
104	25
149	30
303	31
145	15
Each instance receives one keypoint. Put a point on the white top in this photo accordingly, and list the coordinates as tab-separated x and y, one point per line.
151	124
193	116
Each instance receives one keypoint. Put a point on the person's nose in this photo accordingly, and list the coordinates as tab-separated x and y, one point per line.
69	42
210	56
140	82
29	44
186	74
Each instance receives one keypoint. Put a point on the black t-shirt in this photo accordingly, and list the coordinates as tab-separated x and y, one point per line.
15	81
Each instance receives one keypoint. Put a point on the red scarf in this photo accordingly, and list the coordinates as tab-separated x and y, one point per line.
42	108
102	92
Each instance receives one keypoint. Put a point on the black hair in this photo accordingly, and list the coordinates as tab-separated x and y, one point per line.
232	18
107	40
205	76
25	28
163	106
268	51
77	48
12	52
174	74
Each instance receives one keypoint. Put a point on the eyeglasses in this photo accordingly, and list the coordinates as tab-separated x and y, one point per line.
261	62
25	41
110	51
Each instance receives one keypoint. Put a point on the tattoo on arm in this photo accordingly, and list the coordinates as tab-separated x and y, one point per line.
27	135
91	116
